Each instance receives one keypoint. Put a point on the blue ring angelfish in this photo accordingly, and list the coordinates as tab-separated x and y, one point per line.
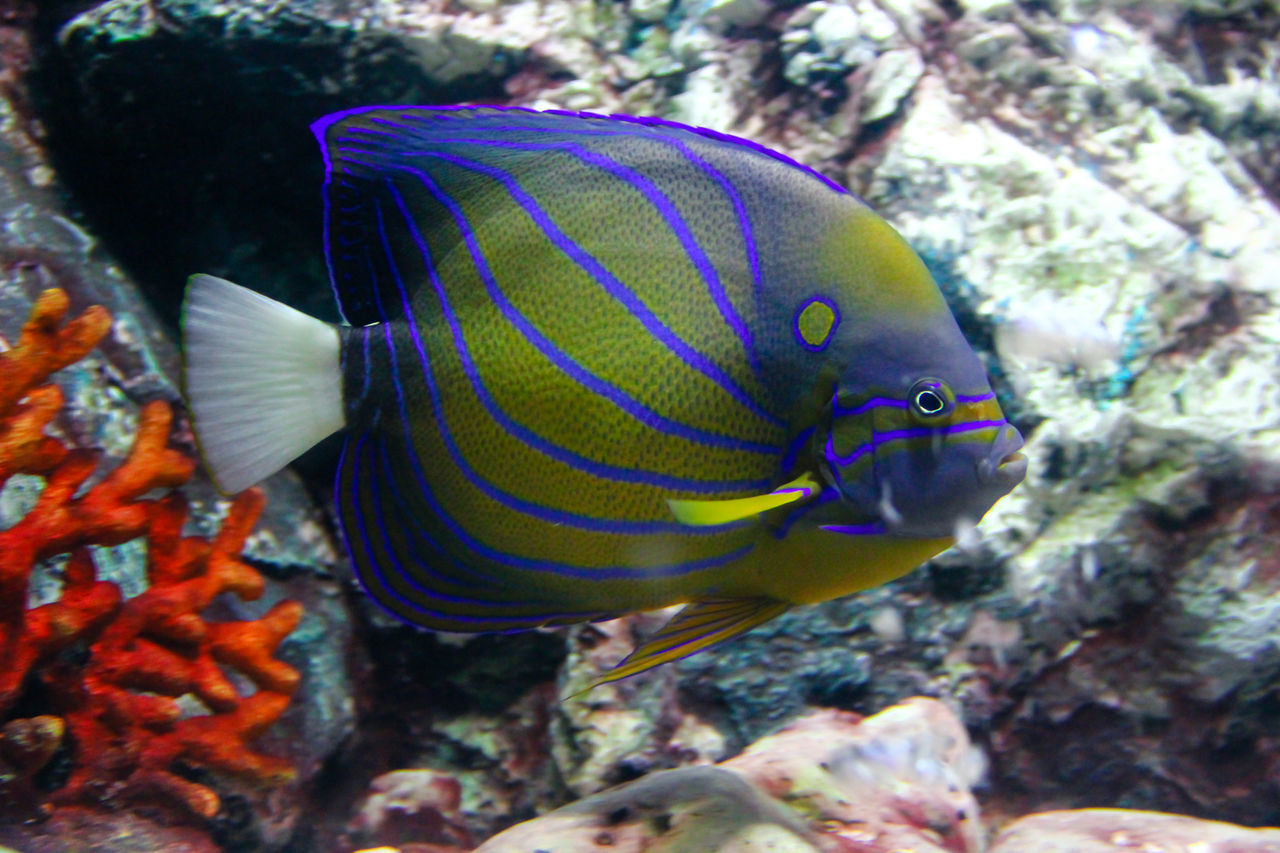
568	388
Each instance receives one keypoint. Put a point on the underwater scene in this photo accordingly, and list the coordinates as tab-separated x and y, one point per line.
645	426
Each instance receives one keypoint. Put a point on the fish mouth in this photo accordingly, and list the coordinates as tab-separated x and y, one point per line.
1012	458
1010	471
1007	464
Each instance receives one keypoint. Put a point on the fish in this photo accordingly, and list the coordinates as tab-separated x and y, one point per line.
593	365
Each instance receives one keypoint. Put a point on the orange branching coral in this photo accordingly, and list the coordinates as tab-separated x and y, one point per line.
119	698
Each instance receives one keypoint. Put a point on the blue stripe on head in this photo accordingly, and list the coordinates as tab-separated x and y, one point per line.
867	405
881	439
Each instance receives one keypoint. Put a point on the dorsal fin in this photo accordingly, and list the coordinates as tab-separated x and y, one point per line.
369	149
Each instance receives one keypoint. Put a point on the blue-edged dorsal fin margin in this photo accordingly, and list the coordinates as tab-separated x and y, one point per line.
391	134
697	626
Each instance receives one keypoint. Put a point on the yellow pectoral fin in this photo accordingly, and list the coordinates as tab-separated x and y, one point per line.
697	626
704	513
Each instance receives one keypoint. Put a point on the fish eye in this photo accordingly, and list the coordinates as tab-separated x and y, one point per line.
931	399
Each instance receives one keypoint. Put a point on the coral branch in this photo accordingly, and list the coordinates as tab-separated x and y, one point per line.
46	345
119	701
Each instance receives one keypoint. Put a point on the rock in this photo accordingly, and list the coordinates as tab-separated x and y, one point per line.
68	828
472	717
414	805
893	74
902	778
648	11
1106	830
622	730
836	28
735	13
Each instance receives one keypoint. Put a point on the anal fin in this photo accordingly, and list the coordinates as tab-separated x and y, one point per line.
697	626
704	513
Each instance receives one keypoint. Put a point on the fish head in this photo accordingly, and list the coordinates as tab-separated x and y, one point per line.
916	444
925	457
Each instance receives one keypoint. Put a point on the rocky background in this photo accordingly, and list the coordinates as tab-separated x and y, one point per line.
1095	186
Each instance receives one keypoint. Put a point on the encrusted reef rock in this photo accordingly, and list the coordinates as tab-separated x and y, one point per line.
831	782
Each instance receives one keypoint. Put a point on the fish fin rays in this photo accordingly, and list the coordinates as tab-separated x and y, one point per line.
697	626
262	380
704	513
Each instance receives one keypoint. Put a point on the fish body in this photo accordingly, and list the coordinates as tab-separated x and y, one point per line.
593	365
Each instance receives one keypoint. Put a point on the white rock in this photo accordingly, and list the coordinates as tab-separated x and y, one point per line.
735	13
836	28
893	75
648	11
707	100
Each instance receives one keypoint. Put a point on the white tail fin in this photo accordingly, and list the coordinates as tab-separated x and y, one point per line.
262	380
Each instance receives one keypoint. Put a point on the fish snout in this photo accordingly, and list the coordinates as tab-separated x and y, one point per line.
1005	466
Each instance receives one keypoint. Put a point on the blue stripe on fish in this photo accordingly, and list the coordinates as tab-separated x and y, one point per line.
838	410
420	602
794	448
612	285
601	387
826	496
523	433
619	291
512	560
891	436
725	305
623	526
727	310
875	528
